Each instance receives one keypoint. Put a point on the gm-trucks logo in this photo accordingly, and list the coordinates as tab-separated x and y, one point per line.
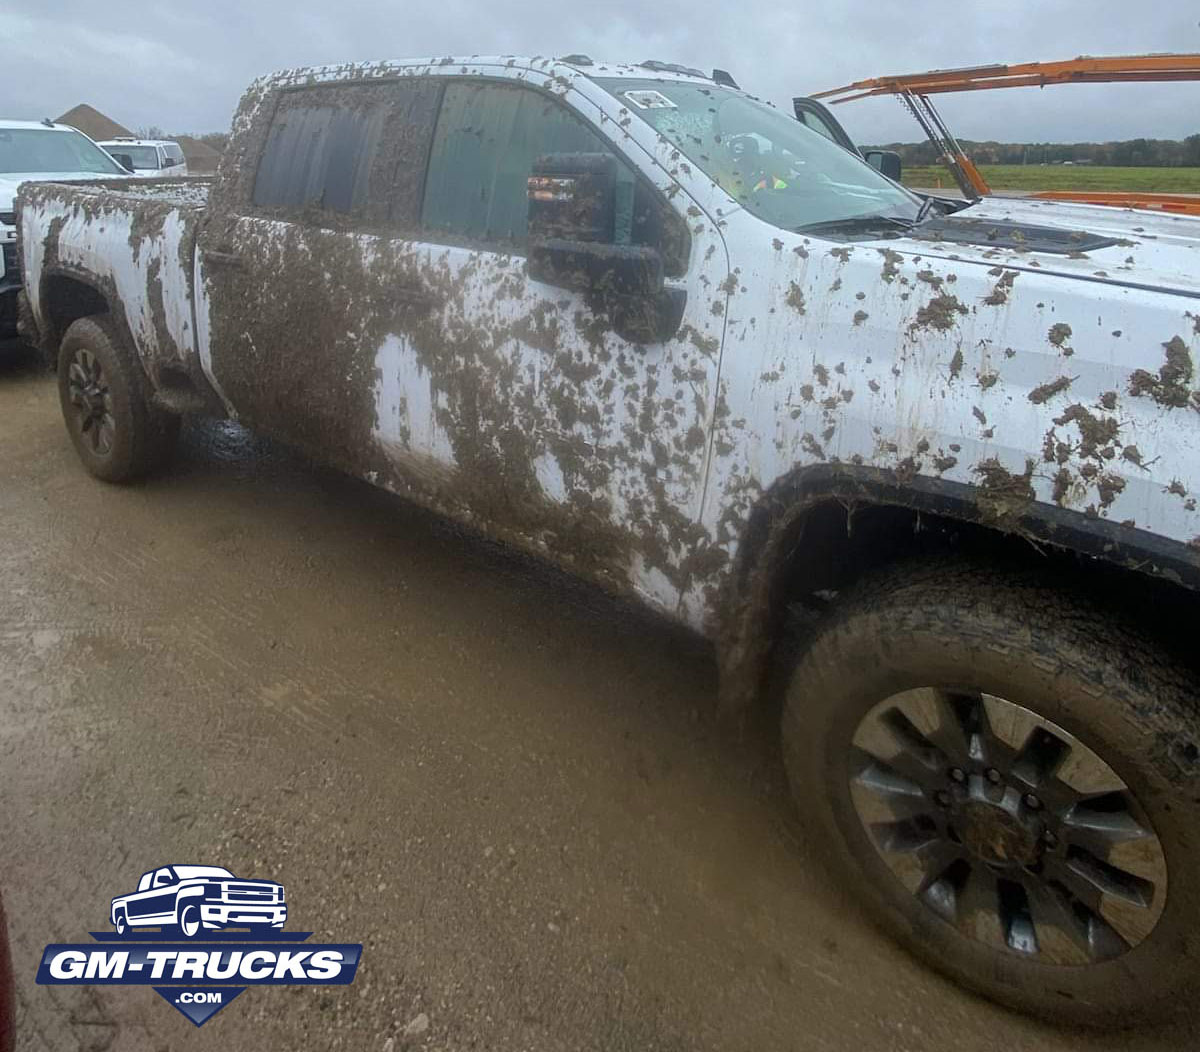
199	936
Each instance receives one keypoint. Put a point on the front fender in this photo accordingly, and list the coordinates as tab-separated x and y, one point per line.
775	530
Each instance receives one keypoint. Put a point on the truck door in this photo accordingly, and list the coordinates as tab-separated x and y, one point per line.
589	440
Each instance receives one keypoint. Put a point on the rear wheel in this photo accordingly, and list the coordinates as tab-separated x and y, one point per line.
118	434
1009	778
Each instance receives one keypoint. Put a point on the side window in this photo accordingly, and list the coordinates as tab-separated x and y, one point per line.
162	878
488	137
818	125
353	150
174	155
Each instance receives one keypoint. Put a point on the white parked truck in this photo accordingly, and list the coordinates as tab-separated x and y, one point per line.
37	150
675	340
148	158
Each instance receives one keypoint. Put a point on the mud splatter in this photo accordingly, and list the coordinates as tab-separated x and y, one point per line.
1170	388
939	313
1045	392
795	298
1002	496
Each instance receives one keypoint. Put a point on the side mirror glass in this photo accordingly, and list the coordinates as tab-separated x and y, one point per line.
573	245
886	161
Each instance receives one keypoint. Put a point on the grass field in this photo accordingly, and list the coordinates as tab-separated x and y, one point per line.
1064	177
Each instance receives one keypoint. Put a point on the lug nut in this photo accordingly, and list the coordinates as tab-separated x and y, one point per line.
957	774
1032	802
992	775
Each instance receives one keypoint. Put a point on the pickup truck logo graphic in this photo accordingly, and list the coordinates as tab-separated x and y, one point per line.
190	932
190	900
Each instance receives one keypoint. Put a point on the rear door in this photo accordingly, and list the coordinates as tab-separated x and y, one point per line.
310	263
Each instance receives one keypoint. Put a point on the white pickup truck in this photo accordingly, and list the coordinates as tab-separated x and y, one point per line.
37	150
640	322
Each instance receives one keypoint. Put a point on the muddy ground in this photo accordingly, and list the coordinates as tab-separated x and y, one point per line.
511	790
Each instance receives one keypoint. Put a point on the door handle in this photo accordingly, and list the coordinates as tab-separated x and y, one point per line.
217	258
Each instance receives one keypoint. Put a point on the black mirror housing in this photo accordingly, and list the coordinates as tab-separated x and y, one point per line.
886	161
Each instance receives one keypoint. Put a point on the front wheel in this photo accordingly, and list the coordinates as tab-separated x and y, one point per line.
189	921
1008	779
105	398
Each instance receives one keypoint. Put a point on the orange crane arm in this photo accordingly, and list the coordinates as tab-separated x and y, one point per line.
1029	74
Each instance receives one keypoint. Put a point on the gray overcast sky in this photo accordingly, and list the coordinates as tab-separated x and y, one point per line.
182	64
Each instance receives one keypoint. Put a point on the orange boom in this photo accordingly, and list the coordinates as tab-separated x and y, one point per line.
914	91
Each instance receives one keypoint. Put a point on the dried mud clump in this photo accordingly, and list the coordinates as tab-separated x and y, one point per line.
1170	388
1096	433
999	294
1044	393
1003	496
795	298
1059	333
939	313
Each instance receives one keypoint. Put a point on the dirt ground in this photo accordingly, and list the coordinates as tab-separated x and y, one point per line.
510	789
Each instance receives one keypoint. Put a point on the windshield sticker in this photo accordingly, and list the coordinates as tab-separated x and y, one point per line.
650	100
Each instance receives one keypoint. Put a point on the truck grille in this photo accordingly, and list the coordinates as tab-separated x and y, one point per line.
11	270
248	893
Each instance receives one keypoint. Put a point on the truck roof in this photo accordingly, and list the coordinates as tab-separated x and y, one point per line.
579	65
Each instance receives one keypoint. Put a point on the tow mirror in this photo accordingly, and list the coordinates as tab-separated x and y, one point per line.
573	245
886	161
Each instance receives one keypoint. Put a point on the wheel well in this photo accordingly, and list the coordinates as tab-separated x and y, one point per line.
67	299
837	543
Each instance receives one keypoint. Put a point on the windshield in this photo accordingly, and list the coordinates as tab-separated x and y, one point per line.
37	150
142	156
192	872
779	169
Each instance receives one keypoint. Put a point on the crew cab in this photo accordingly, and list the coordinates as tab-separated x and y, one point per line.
929	468
148	157
33	150
191	899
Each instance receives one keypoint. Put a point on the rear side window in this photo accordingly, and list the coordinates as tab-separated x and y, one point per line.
174	155
354	150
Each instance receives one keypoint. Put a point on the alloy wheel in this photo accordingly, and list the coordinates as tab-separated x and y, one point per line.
1006	826
91	398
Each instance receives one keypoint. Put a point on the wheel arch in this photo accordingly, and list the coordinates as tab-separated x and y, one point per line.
820	527
65	295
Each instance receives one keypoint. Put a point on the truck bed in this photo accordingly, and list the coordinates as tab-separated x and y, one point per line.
132	241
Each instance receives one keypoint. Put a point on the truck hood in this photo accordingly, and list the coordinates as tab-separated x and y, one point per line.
1154	251
10	181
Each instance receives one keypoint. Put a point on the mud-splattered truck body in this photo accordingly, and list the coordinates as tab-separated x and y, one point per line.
655	330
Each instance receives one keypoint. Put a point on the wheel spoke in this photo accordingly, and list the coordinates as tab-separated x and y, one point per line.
905	835
978	908
1110	879
1061	932
1040	757
910	739
1016	917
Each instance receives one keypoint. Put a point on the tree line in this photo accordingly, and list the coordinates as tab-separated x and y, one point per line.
1150	153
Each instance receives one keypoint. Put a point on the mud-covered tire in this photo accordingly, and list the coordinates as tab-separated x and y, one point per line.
136	436
1007	634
